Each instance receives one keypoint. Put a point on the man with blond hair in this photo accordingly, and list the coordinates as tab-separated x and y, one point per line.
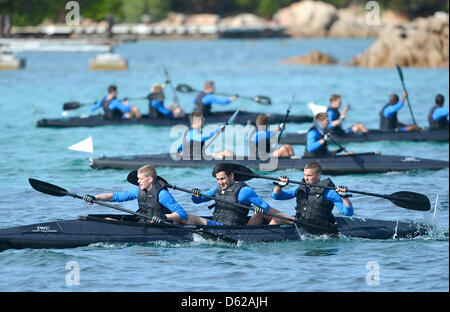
154	200
337	118
205	99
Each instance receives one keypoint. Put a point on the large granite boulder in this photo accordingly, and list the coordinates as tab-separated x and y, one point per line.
312	58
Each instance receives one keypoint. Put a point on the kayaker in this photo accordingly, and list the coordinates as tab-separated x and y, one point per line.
438	115
388	115
114	108
337	118
156	104
317	143
195	139
261	137
154	200
228	189
206	98
314	204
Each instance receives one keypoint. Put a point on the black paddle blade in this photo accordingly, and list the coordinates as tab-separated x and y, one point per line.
71	105
241	173
410	200
263	100
184	88
400	73
47	188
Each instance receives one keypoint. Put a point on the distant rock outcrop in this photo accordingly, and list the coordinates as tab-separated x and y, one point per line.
312	58
424	43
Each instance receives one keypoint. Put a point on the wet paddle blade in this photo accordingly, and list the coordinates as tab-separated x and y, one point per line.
400	73
263	100
184	88
47	188
242	173
133	179
71	105
410	200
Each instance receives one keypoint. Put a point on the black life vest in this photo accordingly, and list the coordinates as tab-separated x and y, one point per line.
253	146
149	204
192	148
110	114
314	208
388	124
336	130
152	111
322	151
441	123
200	107
226	213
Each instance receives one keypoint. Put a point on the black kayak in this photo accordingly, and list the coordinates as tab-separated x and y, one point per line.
341	164
93	229
375	135
218	117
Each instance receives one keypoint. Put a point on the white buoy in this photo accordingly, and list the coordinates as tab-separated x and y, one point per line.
10	62
108	61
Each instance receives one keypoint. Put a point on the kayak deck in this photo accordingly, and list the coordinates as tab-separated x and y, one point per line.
217	117
375	135
93	229
341	164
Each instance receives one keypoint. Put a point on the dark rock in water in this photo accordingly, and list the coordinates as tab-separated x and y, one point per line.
312	58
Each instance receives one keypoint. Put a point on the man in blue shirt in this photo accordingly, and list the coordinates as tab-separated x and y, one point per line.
317	143
114	108
154	200
388	115
231	191
315	204
204	100
195	139
156	104
336	118
438	115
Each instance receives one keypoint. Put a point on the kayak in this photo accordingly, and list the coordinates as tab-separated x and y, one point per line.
341	164
218	117
91	229
376	135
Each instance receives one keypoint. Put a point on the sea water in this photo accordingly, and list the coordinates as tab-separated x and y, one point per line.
246	67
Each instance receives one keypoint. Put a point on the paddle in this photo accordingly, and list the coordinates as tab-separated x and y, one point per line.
286	117
230	120
77	105
312	228
260	99
400	73
325	132
54	190
404	199
171	85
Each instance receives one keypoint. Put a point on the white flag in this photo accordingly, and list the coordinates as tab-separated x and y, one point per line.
316	108
83	146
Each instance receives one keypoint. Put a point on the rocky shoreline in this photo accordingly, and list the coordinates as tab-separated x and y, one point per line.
421	42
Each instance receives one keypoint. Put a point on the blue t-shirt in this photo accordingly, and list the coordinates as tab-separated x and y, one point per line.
313	140
262	135
210	98
392	109
328	194
440	112
159	105
164	198
114	104
194	135
246	196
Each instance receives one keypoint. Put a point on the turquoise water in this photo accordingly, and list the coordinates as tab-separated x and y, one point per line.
238	66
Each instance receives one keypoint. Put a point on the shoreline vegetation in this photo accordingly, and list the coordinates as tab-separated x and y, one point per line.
400	39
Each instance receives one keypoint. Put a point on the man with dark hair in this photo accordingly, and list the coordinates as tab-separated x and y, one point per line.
438	115
230	190
388	115
336	118
315	204
114	108
154	200
204	100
